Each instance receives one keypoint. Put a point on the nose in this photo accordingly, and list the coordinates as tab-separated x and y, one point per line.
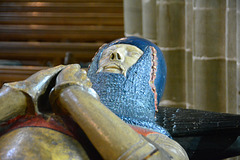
117	56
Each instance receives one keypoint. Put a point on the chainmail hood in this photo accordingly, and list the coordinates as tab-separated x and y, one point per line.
132	98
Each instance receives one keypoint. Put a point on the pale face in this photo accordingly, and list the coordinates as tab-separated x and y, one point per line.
119	58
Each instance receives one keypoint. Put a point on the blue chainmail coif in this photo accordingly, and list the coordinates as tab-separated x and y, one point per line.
131	97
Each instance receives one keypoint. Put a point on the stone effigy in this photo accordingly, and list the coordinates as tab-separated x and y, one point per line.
109	112
110	117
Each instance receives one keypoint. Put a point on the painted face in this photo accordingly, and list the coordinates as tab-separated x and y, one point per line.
119	58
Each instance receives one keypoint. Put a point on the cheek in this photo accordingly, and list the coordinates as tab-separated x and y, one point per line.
129	61
103	61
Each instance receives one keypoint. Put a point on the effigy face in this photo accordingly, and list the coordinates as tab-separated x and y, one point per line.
119	58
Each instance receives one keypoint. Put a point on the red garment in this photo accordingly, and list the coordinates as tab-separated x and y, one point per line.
51	123
143	131
38	121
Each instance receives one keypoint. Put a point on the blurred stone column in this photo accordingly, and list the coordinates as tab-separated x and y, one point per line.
132	17
188	52
209	65
231	73
149	26
238	55
171	40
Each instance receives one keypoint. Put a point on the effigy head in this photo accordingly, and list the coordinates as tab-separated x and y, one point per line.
129	75
119	58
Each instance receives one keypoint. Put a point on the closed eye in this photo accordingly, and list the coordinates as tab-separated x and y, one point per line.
132	54
104	54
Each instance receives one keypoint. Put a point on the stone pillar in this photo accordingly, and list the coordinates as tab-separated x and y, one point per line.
149	20
171	40
188	52
209	66
238	55
132	17
231	72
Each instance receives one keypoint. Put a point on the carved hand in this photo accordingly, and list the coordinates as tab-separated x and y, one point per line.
16	97
73	75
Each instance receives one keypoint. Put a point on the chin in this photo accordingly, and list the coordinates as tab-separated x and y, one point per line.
112	71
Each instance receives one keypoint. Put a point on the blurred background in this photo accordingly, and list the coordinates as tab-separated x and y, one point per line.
36	34
200	42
